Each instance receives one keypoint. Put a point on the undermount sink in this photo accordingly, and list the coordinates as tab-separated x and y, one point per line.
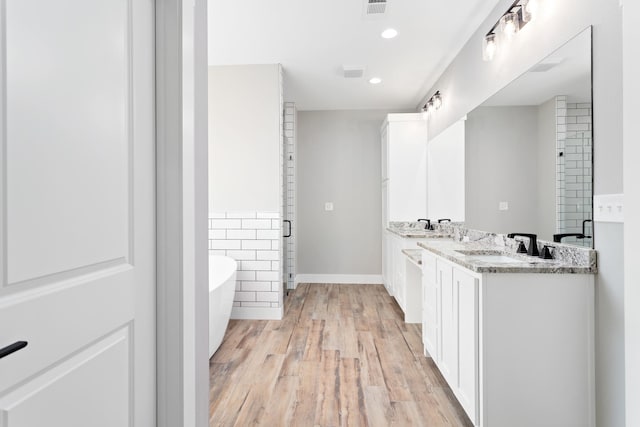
494	259
489	256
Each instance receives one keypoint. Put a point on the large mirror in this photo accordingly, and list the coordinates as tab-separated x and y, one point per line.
528	151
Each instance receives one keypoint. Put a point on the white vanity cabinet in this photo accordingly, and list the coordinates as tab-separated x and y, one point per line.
403	278
515	348
398	266
450	327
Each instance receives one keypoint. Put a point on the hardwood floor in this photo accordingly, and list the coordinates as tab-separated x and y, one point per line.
342	356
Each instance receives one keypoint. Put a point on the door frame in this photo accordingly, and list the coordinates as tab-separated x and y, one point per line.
182	213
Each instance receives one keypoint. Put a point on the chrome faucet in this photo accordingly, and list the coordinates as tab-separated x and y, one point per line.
533	243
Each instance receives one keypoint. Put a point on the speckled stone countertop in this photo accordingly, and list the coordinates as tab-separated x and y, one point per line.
415	255
416	230
469	255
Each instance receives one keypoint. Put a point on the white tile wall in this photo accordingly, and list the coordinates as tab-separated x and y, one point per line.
252	239
289	206
574	168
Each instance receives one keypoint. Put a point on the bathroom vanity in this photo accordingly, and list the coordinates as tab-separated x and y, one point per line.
400	278
512	335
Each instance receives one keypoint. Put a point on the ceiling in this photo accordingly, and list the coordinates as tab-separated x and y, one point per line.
313	40
570	74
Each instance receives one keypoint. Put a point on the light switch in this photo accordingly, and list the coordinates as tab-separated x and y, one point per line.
503	206
608	208
328	206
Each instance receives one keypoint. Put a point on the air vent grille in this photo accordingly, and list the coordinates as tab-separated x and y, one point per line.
352	72
546	64
375	7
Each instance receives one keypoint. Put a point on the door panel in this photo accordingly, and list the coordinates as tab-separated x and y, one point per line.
77	214
67	136
107	398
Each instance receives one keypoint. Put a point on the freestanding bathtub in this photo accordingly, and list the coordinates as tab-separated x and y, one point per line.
222	286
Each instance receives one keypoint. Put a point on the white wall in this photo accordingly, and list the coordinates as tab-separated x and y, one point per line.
339	162
244	138
631	71
468	81
445	174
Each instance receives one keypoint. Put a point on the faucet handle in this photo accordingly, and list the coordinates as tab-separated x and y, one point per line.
522	249
546	252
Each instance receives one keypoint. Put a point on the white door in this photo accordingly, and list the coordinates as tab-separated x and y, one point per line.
77	228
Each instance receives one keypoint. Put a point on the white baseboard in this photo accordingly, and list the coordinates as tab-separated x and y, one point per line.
366	279
257	313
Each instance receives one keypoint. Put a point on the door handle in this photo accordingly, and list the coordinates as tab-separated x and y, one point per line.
18	345
289	232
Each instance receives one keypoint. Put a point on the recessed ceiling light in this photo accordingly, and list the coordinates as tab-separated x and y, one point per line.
375	80
389	33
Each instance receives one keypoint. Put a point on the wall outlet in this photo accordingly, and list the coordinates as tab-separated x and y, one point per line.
328	206
503	206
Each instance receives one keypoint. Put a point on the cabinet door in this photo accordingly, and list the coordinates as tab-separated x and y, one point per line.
389	263
467	385
448	361
430	303
394	247
401	277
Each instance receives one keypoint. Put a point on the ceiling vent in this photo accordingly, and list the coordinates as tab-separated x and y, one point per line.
352	72
375	7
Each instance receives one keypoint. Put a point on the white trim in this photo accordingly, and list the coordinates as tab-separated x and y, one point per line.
257	313
366	279
182	374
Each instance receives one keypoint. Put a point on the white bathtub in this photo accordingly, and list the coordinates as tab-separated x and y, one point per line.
222	286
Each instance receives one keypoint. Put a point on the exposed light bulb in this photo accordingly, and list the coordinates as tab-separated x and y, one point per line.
509	24
389	33
430	107
489	47
375	80
529	10
437	101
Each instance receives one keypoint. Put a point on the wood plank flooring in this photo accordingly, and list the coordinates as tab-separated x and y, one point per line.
342	356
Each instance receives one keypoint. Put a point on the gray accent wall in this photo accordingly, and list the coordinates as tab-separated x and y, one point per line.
501	166
339	162
468	81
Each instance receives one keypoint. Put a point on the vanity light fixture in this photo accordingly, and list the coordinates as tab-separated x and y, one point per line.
375	80
509	24
389	33
434	103
489	46
529	10
437	100
517	16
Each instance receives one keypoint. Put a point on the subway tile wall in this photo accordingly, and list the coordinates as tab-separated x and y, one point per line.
574	168
253	240
289	206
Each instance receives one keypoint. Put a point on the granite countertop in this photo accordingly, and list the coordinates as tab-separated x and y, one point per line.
415	255
417	233
469	255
